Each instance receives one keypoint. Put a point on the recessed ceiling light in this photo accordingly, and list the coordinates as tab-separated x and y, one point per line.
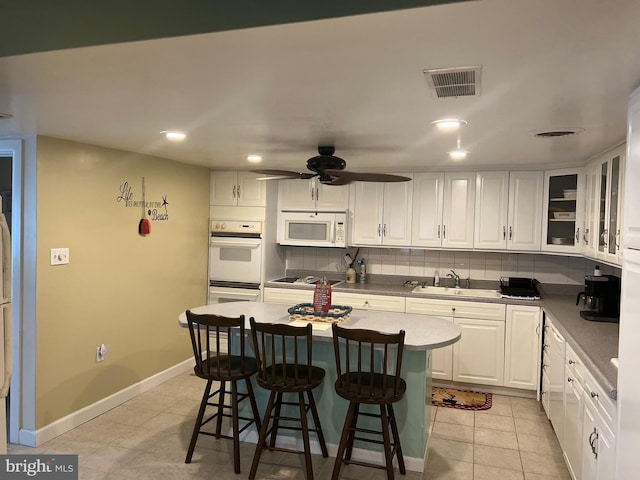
174	136
254	158
449	123
457	154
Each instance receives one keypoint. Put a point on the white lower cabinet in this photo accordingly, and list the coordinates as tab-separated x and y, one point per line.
553	376
478	357
573	408
522	345
290	296
369	302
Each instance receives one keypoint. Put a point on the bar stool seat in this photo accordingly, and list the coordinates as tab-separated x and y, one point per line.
363	360
284	357
213	339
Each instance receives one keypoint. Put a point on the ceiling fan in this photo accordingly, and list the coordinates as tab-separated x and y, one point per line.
330	171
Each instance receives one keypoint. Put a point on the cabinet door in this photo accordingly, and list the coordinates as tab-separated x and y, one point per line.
332	197
522	347
427	209
289	296
573	411
296	195
458	210
606	451
396	213
251	192
632	194
492	198
367	213
591	205
614	204
525	210
562	211
589	443
479	355
223	188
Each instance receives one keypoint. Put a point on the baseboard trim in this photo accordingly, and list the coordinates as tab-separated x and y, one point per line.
36	438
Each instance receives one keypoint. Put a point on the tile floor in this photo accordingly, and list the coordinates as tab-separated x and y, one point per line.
147	438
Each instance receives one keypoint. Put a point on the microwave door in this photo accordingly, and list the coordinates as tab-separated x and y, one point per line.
309	233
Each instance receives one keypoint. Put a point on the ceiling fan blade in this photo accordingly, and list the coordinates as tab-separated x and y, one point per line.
347	177
283	174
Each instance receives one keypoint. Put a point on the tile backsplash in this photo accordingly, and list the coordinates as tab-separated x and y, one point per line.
417	263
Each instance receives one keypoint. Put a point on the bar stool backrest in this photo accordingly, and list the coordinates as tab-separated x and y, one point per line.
368	364
213	338
283	354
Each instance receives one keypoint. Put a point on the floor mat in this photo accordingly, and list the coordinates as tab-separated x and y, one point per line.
463	399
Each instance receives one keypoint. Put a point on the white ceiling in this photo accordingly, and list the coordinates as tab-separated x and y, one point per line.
356	82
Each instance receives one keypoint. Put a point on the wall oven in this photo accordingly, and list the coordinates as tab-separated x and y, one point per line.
235	253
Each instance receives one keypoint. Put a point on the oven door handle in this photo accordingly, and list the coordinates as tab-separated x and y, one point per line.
236	243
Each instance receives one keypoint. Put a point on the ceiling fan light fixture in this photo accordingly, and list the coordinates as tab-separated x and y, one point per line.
458	154
253	158
173	135
449	123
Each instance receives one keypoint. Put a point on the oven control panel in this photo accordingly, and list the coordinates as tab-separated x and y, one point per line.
235	226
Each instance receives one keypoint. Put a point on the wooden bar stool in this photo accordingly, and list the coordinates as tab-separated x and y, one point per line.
284	354
210	334
363	358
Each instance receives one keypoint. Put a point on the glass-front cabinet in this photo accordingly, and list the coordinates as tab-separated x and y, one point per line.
564	207
609	184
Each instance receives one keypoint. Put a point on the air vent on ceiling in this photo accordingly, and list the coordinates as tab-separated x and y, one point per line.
455	82
564	132
5	115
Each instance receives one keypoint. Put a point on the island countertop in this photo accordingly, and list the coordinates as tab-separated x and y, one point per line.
422	332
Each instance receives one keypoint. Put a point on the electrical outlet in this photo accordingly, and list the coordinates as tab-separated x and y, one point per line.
59	256
100	351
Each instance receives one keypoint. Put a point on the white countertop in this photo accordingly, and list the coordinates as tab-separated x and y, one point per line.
422	332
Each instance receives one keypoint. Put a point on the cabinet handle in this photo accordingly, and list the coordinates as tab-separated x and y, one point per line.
234	191
578	235
313	193
444	231
384	230
504	232
238	191
544	366
572	362
593	438
510	233
438	231
545	346
585	237
569	379
594	394
538	330
617	239
379	227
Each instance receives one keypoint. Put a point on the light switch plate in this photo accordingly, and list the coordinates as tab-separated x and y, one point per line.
59	256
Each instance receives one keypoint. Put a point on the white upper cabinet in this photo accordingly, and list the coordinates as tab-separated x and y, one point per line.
458	210
231	188
508	210
563	209
609	187
591	207
381	213
312	195
428	191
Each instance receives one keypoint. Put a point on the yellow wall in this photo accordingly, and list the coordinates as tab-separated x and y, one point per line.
120	288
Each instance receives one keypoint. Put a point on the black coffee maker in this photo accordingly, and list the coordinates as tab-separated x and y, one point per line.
601	296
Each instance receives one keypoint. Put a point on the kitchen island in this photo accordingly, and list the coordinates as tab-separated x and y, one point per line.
413	412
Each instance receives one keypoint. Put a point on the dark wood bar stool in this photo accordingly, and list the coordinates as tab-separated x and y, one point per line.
362	360
210	334
284	355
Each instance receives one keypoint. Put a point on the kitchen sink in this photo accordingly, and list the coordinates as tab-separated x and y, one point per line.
458	292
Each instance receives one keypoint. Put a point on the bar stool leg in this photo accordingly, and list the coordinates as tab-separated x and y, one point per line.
254	405
346	431
305	436
387	442
396	439
236	427
316	421
262	438
196	428
220	409
276	420
352	432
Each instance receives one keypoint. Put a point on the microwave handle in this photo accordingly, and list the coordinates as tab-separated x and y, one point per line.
333	232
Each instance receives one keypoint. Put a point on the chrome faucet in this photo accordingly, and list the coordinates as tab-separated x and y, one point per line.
456	278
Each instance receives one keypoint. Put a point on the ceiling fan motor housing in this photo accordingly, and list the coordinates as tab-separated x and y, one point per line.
321	163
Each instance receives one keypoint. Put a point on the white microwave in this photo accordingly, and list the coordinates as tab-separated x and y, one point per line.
311	229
